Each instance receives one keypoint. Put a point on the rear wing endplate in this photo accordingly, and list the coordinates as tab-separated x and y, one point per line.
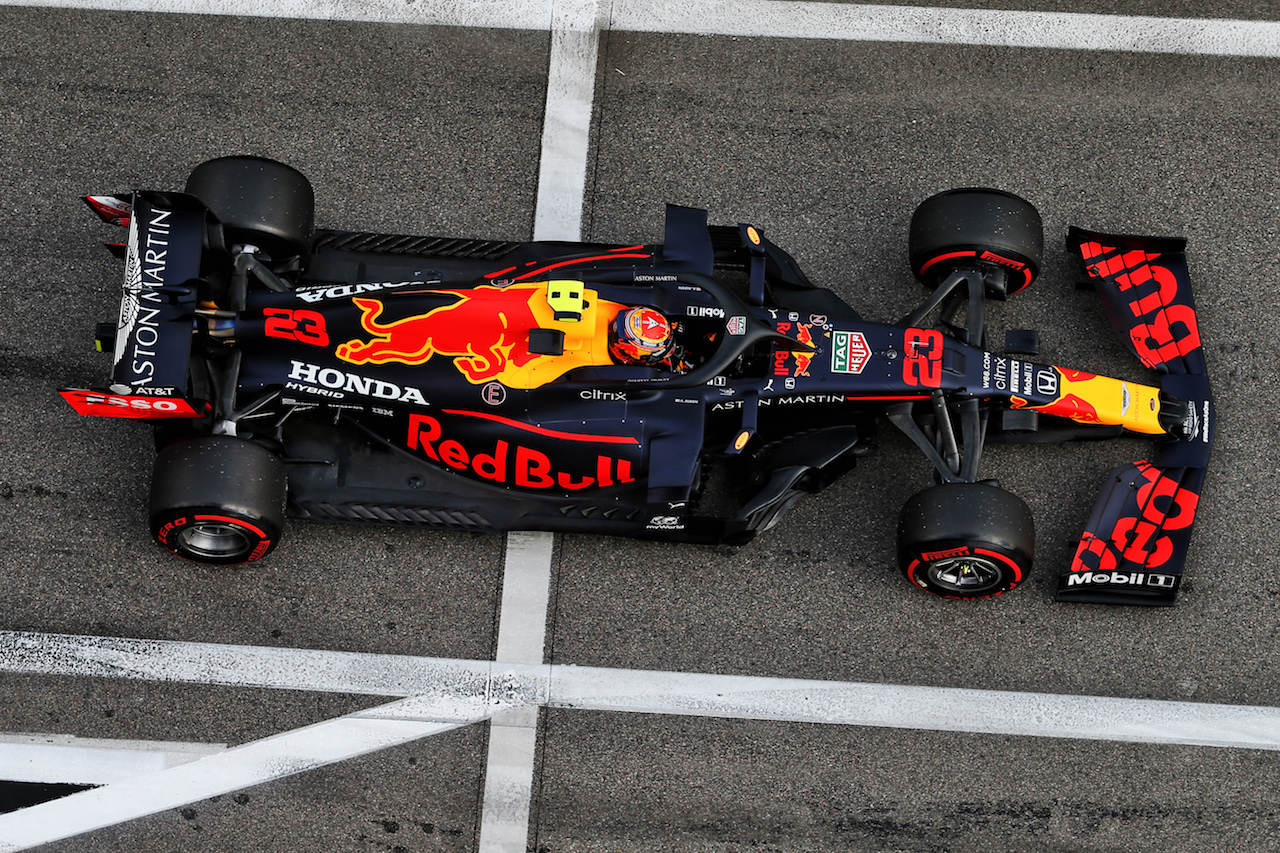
162	264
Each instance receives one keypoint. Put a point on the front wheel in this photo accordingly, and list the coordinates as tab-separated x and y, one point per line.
965	540
217	499
986	228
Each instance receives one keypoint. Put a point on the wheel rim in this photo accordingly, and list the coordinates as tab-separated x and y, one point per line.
968	574
214	540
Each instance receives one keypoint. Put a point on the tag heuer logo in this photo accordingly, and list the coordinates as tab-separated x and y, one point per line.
849	352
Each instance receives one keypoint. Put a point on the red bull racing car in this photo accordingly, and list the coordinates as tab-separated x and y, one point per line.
690	390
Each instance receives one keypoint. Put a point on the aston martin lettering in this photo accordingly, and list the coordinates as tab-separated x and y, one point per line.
793	400
513	463
805	400
330	382
144	271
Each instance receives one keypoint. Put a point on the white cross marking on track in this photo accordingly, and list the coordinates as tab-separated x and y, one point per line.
444	694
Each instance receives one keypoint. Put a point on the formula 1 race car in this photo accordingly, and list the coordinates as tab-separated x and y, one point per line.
691	390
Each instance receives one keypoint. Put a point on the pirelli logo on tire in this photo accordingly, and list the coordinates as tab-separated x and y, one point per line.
849	352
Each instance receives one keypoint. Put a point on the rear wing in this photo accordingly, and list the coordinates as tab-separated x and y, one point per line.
1135	543
153	335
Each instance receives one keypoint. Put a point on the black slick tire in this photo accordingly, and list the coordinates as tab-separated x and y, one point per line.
976	226
259	201
965	540
217	499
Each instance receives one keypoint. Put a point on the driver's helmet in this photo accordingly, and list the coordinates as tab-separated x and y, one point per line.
640	336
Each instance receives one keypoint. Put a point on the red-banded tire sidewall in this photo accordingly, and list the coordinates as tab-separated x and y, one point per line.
217	499
983	227
965	540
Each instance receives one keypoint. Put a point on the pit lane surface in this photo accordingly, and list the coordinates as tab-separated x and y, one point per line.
827	145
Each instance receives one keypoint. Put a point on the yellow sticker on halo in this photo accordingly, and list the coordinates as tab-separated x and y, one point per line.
753	235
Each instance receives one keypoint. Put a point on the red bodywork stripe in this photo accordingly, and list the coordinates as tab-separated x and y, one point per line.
569	263
552	433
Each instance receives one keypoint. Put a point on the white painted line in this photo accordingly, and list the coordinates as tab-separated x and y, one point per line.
934	25
50	759
513	733
508	787
526	588
475	689
246	666
489	14
772	19
471	691
526	581
925	708
566	123
231	770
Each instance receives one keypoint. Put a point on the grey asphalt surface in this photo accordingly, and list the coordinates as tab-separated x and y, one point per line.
827	147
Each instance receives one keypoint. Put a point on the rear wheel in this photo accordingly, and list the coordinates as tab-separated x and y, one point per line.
217	499
260	202
965	540
990	228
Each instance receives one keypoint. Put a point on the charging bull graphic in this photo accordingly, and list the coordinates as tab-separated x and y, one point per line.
486	333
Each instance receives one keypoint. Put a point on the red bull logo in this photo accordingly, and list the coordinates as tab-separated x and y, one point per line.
802	358
486	334
511	462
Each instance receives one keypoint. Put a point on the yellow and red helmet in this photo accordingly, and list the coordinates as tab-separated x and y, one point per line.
640	336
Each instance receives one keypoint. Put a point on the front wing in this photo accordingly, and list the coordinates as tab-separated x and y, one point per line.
1134	546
